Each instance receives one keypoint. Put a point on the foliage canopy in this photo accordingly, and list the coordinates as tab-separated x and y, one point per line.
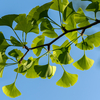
38	20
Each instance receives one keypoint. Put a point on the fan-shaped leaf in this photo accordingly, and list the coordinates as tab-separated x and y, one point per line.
45	70
67	79
3	43
15	42
94	6
84	45
47	29
94	39
69	10
65	57
62	5
7	20
16	53
11	90
3	59
71	24
84	63
81	18
37	42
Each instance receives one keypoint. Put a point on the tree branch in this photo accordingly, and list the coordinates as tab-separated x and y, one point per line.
65	32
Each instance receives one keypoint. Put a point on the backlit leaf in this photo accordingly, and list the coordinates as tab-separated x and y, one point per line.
94	6
16	53
40	12
81	18
71	24
65	57
94	39
3	59
11	90
62	5
47	29
37	42
67	79
15	42
84	45
69	10
84	63
7	20
3	43
31	71
23	23
45	70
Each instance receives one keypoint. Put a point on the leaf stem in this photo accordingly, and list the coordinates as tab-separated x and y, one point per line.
16	35
16	77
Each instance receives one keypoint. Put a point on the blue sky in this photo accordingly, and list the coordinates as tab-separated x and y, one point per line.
88	84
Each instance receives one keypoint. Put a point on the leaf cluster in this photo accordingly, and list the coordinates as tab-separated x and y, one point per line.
38	21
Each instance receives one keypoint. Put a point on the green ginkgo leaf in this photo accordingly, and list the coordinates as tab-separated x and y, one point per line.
7	20
45	70
93	39
84	45
11	90
3	43
31	71
40	12
47	29
62	5
50	34
91	0
65	57
67	79
15	42
71	24
39	40
94	6
58	50
69	10
84	63
80	18
3	59
23	24
16	53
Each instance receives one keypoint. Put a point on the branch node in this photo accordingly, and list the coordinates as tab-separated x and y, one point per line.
82	32
63	28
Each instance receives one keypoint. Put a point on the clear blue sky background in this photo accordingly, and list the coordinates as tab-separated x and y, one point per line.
88	84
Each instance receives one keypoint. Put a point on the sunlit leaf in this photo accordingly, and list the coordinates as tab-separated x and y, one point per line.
91	0
94	39
84	63
67	79
7	20
47	29
84	45
62	5
11	90
69	10
3	43
71	24
39	40
16	53
58	50
23	23
40	12
50	34
15	42
65	57
3	59
81	18
31	71
27	67
45	70
94	6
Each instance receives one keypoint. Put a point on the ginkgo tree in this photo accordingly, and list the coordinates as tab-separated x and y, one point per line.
38	21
